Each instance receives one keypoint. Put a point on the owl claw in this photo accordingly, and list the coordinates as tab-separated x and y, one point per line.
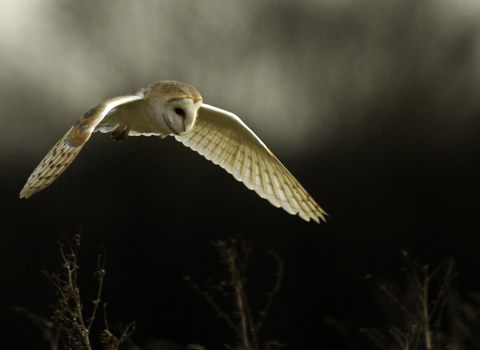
120	133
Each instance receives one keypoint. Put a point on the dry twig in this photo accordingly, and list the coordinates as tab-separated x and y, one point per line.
424	316
241	319
68	317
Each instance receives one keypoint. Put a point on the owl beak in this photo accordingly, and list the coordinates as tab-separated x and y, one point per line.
169	126
188	122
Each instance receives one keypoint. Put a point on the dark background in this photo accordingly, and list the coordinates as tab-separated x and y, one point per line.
372	105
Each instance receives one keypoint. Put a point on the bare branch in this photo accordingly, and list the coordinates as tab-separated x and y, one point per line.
272	294
68	315
236	260
209	299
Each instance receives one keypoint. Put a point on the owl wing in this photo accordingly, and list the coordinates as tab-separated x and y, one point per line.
65	151
221	137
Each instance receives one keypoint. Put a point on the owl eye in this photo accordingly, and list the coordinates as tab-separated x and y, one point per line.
180	112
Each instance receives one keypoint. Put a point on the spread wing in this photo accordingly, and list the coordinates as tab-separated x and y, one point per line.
224	139
65	151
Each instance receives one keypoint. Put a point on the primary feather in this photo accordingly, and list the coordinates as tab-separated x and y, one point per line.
65	151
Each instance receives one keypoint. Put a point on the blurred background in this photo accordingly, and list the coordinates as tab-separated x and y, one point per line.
372	105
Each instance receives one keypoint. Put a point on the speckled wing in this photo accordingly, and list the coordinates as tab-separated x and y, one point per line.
65	151
221	137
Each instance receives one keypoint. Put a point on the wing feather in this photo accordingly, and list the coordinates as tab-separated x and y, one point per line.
228	162
258	179
222	154
223	138
272	193
278	189
239	162
246	171
65	151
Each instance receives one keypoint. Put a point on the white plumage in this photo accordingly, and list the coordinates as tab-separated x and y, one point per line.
173	108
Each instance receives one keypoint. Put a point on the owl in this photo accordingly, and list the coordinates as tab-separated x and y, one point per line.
170	108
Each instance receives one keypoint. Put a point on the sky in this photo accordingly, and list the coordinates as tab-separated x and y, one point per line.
373	106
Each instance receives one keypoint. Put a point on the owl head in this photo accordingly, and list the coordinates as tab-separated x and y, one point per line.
174	105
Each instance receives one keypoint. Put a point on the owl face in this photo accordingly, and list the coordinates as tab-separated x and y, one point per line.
179	114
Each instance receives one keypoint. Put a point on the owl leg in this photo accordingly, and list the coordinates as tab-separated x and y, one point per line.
120	133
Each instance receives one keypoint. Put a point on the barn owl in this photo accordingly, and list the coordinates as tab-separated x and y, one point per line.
169	108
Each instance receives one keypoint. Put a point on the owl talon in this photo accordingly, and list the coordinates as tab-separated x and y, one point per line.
120	134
